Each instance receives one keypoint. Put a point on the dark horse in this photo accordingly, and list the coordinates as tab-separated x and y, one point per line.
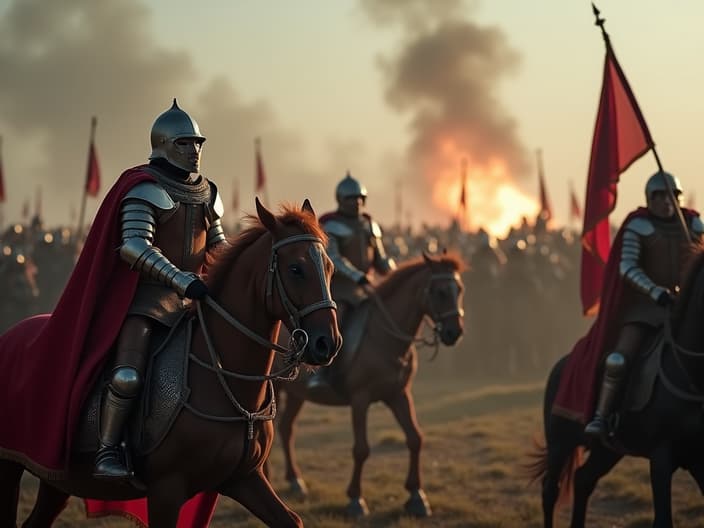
384	366
275	270
668	430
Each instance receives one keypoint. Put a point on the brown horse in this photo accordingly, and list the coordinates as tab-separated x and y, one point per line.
383	368
275	270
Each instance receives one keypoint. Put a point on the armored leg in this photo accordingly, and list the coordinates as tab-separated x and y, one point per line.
120	396
614	374
630	341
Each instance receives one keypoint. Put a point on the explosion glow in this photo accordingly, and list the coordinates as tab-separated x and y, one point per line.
493	201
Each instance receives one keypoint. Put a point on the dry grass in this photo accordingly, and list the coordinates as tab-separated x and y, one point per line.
476	435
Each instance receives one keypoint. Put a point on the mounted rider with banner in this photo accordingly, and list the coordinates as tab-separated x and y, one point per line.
642	278
356	249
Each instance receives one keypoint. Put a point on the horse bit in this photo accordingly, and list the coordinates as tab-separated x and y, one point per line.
298	341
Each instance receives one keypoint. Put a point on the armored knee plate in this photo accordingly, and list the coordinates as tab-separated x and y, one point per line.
125	382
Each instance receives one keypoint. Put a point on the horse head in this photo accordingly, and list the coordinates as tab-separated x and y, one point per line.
298	282
443	297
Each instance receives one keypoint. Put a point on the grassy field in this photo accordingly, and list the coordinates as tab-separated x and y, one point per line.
476	437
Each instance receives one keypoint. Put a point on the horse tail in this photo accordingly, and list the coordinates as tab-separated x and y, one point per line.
545	458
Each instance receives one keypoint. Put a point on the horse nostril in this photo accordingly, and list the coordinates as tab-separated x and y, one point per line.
323	346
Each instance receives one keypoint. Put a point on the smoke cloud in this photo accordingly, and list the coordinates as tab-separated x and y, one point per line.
445	77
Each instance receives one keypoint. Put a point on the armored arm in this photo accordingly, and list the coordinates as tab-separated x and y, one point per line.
629	266
140	209
382	263
216	233
335	231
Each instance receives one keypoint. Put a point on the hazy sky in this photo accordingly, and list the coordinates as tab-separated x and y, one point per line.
396	91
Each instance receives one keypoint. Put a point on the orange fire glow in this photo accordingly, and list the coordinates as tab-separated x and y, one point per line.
493	200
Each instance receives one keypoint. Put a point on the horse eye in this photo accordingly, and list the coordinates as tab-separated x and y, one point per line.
296	270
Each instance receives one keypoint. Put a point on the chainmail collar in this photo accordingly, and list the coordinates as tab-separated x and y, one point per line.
197	191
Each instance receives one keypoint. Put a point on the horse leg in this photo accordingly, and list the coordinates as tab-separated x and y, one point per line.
10	476
164	500
49	504
255	493
357	506
599	463
661	470
286	428
558	455
405	413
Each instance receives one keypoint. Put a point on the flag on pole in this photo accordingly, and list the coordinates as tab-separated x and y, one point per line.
545	207
25	209
93	171
621	136
260	180
463	193
2	176
575	208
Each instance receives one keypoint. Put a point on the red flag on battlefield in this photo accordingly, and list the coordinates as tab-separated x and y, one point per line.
93	171
545	207
2	176
621	136
575	208
259	168
463	190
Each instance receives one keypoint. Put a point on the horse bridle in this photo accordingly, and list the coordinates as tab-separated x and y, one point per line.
298	341
296	315
436	318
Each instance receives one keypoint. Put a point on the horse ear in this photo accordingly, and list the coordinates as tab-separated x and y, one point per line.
428	259
267	218
308	207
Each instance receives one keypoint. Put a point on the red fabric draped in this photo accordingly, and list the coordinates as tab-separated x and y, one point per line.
49	362
621	136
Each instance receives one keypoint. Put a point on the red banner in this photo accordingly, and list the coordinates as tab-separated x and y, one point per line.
621	136
260	175
93	173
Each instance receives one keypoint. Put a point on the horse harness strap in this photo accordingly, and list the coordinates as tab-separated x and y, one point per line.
677	350
293	354
400	334
295	314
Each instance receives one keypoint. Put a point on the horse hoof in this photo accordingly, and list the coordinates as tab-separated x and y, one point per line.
418	505
357	507
298	488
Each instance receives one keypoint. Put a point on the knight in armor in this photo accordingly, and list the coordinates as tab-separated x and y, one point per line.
652	252
356	250
167	223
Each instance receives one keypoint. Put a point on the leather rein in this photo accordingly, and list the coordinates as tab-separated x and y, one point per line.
293	354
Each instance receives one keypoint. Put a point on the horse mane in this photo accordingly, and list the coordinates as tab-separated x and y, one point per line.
219	260
694	259
397	277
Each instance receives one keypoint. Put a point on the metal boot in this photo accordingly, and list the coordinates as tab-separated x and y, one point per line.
116	408
614	374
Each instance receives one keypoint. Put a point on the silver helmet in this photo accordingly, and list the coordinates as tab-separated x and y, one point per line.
349	187
169	127
658	182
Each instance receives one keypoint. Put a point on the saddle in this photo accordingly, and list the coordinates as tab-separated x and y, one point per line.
164	393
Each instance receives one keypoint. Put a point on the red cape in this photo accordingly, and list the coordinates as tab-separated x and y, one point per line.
576	395
49	363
